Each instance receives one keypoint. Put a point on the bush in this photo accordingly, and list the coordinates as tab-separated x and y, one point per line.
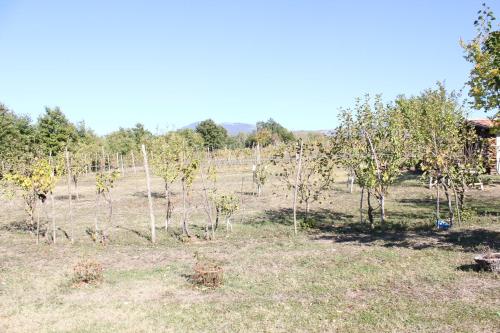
87	272
207	273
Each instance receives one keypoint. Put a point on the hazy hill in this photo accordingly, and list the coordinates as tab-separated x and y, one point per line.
231	128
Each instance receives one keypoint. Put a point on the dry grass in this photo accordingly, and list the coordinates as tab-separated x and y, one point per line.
336	276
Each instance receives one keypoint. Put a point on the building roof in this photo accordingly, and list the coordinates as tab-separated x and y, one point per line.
484	123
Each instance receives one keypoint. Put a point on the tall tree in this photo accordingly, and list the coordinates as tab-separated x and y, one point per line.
55	131
442	141
214	136
17	136
484	53
269	132
371	141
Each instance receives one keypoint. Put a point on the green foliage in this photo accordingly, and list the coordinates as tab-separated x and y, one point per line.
192	139
167	154
269	132
214	136
484	53
226	204
17	137
371	142
316	173
260	174
54	132
122	141
105	181
37	180
442	141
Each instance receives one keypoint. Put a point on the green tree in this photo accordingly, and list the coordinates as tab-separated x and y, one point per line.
167	155
269	132
17	140
484	53
443	143
312	178
192	139
214	136
371	141
55	131
122	141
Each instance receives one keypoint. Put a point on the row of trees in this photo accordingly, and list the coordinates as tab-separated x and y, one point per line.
429	132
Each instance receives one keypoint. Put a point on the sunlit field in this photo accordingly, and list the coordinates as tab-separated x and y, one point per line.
335	275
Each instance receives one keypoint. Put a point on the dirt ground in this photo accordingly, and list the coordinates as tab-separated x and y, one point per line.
336	275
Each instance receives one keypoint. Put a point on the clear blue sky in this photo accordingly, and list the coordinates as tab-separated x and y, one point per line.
169	63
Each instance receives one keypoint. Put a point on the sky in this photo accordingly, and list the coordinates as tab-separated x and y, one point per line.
167	64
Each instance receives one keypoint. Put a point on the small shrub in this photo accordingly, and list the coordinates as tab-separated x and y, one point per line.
207	273
468	215
97	236
87	272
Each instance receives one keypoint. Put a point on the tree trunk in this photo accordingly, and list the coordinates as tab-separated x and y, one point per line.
169	207
150	199
296	188
382	208
437	200
351	186
361	204
184	206
75	182
450	204
370	210
459	214
306	215
217	216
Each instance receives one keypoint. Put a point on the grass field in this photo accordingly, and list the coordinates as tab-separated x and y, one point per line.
335	276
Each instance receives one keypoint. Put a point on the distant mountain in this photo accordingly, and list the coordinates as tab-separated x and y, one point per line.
231	128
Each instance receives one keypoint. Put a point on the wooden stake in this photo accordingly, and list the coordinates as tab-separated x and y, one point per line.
150	199
122	167
70	213
133	163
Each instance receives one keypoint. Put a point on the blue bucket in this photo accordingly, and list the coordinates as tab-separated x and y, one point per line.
442	225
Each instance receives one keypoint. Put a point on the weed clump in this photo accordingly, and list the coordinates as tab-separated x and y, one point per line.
87	272
207	273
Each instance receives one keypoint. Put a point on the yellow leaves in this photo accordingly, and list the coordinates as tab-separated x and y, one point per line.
105	181
38	178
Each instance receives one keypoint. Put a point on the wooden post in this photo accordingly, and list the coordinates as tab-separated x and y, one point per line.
70	213
109	163
52	199
103	163
122	167
150	199
37	222
117	161
296	188
133	162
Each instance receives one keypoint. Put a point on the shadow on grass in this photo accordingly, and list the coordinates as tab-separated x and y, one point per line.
136	232
469	268
321	219
66	197
144	194
340	228
417	237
